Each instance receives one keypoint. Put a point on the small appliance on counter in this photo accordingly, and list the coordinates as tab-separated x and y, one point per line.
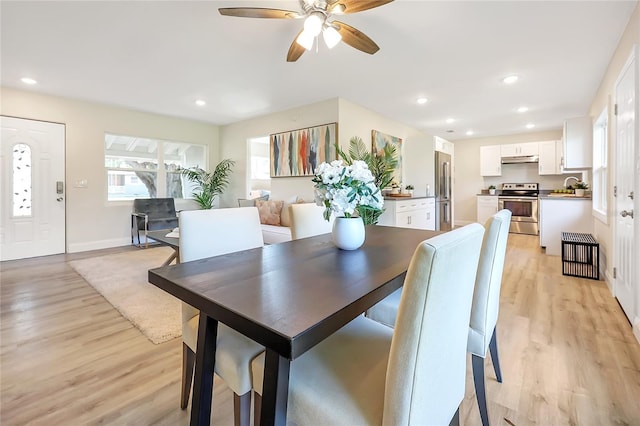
522	200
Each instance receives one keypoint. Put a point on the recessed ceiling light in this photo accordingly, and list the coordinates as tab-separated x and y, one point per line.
200	102
530	126
510	79
422	100
450	120
523	109
469	132
450	131
27	80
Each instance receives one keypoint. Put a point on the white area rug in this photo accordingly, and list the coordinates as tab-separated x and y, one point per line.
122	280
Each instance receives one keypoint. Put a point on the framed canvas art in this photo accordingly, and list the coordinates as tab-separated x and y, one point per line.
299	152
378	142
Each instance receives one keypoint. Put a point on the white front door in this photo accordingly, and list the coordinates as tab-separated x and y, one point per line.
32	209
625	99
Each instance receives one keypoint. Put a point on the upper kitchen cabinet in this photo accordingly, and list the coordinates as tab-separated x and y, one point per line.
519	149
490	160
550	158
577	139
443	145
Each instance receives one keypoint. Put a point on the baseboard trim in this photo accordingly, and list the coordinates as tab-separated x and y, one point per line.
98	245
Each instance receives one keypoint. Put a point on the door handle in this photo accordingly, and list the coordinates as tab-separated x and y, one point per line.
625	213
59	199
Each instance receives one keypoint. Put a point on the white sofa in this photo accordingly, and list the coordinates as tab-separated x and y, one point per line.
273	234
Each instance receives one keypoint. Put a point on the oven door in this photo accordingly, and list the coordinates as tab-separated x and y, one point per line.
522	209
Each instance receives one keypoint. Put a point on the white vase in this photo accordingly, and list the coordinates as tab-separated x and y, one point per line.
348	232
579	192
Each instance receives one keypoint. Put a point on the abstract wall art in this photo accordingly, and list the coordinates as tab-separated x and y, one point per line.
299	152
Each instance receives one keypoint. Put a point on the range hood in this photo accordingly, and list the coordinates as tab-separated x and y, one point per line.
520	159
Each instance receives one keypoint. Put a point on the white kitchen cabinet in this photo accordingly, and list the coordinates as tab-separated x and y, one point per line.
490	160
562	215
443	145
487	207
431	214
519	149
418	213
577	139
550	160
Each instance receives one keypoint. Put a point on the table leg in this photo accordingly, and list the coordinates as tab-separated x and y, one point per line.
275	389
174	256
205	363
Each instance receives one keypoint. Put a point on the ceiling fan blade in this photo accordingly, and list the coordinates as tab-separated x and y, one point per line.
353	6
295	50
355	38
258	12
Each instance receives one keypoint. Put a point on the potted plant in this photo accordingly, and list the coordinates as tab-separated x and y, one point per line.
580	187
492	190
409	189
209	185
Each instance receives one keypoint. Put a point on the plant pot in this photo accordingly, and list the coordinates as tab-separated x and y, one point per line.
492	192
348	232
579	192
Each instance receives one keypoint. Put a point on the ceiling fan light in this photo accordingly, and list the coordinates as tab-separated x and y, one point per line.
331	37
313	23
305	39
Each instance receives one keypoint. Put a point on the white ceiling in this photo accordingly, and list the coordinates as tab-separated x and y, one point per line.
160	56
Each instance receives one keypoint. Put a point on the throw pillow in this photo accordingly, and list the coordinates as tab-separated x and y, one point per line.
242	202
269	211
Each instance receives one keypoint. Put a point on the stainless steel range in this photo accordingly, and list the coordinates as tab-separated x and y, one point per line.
522	200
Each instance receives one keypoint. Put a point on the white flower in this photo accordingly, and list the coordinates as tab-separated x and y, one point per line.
344	188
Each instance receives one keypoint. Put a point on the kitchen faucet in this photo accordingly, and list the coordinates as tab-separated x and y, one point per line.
570	177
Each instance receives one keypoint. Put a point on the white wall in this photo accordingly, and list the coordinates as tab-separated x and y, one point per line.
605	97
233	145
92	222
469	182
417	147
353	120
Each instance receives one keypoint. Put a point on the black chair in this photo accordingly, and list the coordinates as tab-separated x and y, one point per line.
150	214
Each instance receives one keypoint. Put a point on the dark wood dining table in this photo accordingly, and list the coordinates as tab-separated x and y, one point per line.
288	297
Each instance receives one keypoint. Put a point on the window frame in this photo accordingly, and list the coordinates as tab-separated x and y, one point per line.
600	167
159	159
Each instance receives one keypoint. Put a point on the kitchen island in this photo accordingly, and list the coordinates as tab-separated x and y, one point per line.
566	213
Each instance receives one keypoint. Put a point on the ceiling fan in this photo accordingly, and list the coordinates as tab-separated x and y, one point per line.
318	18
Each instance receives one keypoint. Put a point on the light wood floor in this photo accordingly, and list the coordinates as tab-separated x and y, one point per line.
68	358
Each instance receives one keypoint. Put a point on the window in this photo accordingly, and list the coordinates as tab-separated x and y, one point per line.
599	184
259	171
132	167
21	166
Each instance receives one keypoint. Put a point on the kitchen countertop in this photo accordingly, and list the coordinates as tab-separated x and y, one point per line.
548	195
388	197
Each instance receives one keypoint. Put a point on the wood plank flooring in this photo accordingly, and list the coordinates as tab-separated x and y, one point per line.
67	357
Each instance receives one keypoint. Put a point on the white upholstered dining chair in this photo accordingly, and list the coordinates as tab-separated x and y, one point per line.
486	304
484	310
307	220
207	233
368	373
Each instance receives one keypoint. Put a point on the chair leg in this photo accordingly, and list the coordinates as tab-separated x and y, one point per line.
188	362
455	421
242	409
477	364
257	407
493	348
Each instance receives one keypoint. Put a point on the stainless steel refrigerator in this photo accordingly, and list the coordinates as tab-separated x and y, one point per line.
444	196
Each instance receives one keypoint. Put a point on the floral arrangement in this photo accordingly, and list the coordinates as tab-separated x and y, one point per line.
348	190
581	185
